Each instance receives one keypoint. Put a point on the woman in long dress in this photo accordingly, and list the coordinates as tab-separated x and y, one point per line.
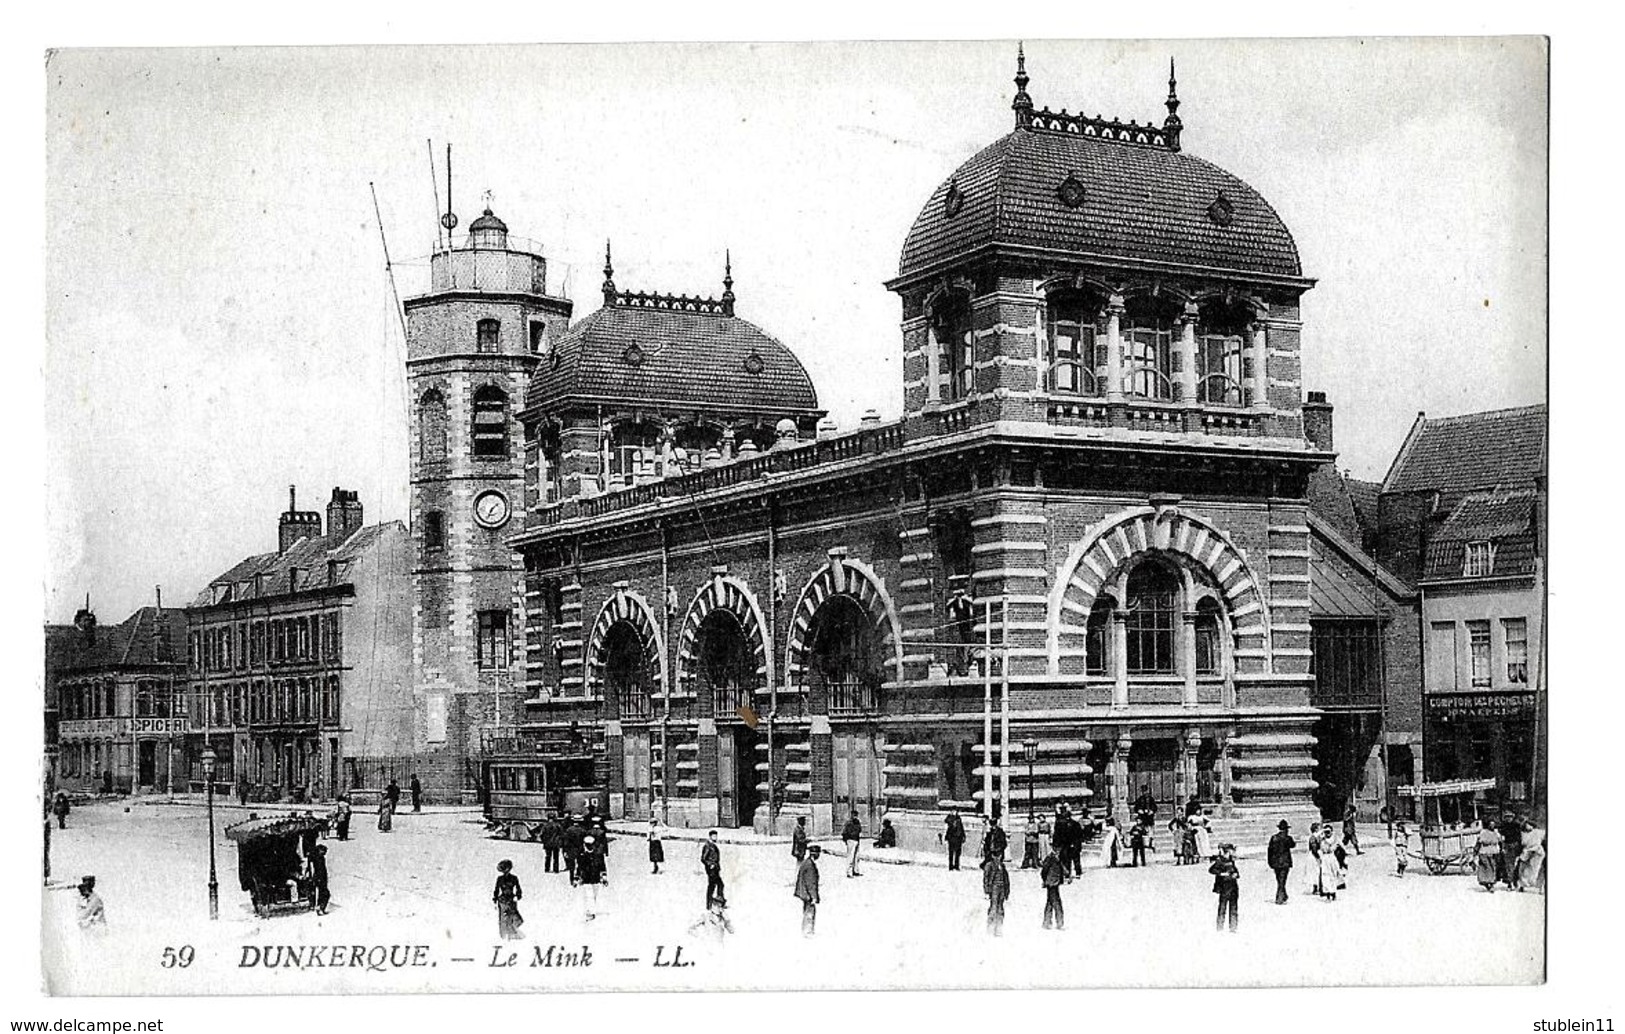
386	814
1489	854
1314	860
1532	861
1204	835
507	895
1331	874
657	850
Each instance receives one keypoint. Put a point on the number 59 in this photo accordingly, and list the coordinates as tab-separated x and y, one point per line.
178	958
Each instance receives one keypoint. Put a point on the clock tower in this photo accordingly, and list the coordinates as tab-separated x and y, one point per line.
472	343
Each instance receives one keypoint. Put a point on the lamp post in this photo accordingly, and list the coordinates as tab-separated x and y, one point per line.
1030	746
208	783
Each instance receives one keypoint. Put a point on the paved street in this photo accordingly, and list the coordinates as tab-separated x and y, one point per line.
429	883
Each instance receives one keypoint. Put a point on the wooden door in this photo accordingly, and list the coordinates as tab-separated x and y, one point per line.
727	781
635	759
857	778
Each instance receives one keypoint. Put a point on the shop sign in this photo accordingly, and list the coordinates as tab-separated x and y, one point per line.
1480	705
93	727
161	726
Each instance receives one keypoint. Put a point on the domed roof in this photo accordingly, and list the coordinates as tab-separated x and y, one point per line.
667	350
487	221
1064	190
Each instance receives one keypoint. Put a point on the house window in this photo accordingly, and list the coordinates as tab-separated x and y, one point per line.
1479	560
1073	355
1478	646
1208	654
538	337
1148	358
956	343
432	427
1153	592
1097	641
434	530
490	422
1516	633
488	336
256	644
333	644
1443	664
493	641
1219	369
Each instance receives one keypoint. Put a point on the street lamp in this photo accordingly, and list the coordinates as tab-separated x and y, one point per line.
208	783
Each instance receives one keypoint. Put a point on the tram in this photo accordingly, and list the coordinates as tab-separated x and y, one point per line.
521	790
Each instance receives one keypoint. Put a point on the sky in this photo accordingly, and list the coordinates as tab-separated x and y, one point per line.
219	322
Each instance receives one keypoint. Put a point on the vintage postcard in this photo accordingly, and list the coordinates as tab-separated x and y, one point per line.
674	517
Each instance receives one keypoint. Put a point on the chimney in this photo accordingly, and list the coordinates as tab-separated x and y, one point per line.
296	524
85	621
343	514
1317	421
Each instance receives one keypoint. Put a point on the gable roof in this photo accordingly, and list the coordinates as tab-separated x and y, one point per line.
1502	447
148	637
1506	520
303	566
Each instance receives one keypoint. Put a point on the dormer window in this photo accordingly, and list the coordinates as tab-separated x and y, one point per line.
1478	560
488	336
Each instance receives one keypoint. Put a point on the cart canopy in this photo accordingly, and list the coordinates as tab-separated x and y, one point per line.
1447	788
276	827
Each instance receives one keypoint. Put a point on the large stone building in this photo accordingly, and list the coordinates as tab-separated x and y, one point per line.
298	672
117	695
1078	565
1461	514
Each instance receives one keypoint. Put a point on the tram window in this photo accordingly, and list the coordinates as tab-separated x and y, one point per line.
533	780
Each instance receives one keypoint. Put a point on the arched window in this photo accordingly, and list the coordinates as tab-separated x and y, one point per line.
1097	641
727	664
490	430
1148	351
1209	655
432	427
1076	362
488	336
845	656
1221	354
1153	597
626	671
956	346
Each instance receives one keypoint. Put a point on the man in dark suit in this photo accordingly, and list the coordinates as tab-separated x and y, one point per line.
807	890
954	837
1052	873
711	862
1280	859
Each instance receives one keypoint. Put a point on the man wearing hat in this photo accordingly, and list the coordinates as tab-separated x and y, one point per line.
590	875
711	862
1280	859
807	889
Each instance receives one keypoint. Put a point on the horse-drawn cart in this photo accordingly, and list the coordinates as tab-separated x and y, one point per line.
270	865
1452	815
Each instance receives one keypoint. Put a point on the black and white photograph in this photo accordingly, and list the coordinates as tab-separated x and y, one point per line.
1006	513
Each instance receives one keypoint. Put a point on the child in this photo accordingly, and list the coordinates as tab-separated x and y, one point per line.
1137	843
1402	851
1113	840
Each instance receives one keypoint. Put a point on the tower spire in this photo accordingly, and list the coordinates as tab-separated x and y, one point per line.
727	282
1023	104
1172	124
609	276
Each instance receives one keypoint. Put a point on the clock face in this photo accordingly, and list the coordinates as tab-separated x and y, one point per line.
491	509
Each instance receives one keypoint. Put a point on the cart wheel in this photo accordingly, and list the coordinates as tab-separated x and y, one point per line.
1436	866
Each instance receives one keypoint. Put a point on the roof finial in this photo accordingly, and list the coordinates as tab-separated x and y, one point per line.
609	276
1172	124
727	282
1023	104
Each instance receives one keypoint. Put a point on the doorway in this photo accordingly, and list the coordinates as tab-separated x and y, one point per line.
147	763
858	756
635	768
737	792
1154	763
